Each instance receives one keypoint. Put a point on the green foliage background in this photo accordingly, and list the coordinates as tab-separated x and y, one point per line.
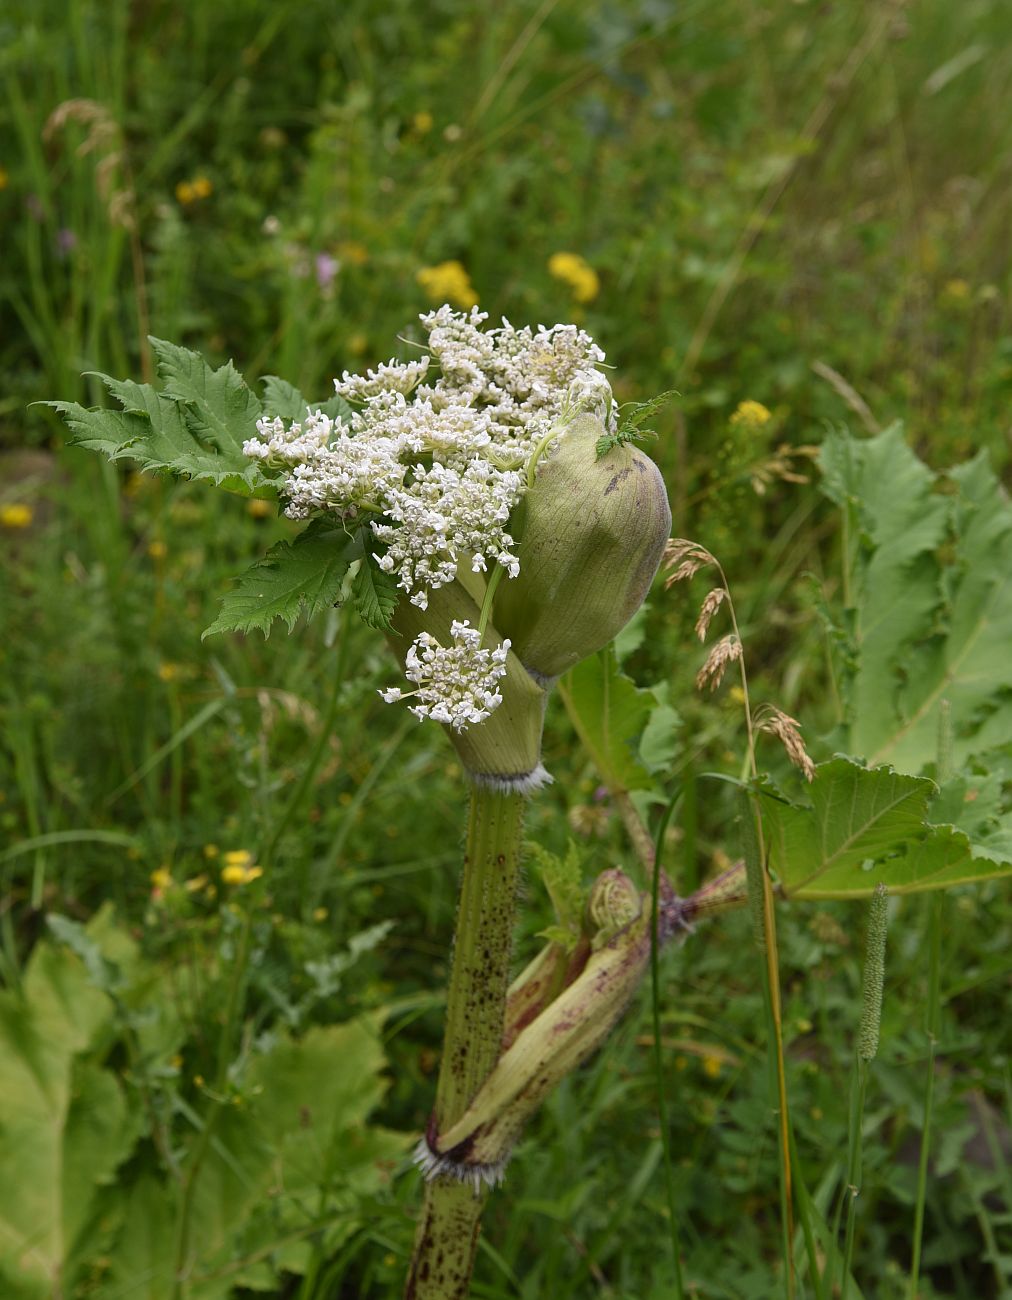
799	205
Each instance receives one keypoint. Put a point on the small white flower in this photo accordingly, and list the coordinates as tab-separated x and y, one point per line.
454	684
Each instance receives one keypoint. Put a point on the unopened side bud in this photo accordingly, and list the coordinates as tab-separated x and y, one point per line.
614	901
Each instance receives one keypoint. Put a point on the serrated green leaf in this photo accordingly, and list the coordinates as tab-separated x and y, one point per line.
563	881
865	826
374	593
293	577
609	713
932	601
167	432
632	415
336	407
220	408
284	399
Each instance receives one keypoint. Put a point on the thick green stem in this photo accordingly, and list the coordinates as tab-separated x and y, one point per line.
476	1004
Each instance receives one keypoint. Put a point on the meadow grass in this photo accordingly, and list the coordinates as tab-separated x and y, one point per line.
803	207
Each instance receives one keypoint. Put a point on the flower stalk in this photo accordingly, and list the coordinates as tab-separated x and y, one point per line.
447	1236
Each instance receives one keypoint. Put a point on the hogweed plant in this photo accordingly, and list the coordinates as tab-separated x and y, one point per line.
486	507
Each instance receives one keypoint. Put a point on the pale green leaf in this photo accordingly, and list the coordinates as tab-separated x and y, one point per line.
660	743
64	1127
313	1098
563	881
856	814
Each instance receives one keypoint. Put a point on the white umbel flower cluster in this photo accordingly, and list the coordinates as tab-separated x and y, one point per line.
437	466
454	684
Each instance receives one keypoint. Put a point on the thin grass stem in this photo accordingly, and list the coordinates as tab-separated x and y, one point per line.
655	994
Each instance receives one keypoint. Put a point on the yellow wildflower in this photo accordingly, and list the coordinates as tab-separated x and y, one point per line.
353	252
16	515
576	272
211	851
956	291
320	913
259	508
169	672
161	879
238	868
202	187
750	415
712	1066
157	550
184	193
422	122
448	282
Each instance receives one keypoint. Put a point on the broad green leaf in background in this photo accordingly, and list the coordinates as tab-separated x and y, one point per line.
195	428
865	826
609	713
931	587
64	1126
304	575
312	1097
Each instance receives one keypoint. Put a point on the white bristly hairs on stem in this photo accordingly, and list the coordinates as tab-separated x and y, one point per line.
433	1165
525	783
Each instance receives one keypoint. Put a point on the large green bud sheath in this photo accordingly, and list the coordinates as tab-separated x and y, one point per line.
590	534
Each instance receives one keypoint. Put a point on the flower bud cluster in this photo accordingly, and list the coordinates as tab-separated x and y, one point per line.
455	684
439	466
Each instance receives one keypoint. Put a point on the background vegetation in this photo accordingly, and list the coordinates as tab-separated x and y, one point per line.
218	912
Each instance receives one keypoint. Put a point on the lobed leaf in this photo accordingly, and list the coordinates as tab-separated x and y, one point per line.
284	399
865	826
195	428
293	577
931	615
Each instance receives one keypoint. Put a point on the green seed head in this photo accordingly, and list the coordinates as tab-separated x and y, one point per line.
590	533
